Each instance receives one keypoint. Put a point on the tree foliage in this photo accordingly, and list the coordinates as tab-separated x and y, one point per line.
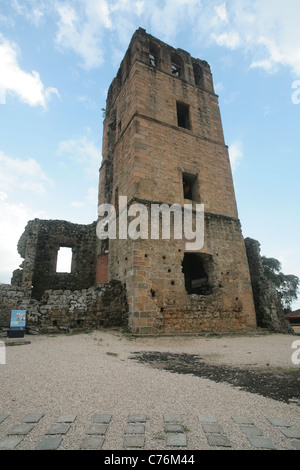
286	284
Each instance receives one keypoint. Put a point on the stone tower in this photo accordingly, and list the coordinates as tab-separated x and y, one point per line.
163	143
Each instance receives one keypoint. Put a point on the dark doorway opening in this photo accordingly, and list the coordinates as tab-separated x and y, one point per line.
197	269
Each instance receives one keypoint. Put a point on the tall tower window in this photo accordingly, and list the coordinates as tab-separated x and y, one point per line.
183	115
153	54
190	188
198	74
176	65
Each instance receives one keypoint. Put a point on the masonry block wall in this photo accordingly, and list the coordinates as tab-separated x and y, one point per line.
163	143
39	247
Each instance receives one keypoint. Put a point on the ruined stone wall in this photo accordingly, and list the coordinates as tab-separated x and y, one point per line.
61	311
269	311
39	246
12	298
158	301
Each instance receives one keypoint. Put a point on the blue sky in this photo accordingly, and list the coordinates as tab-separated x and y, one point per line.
57	60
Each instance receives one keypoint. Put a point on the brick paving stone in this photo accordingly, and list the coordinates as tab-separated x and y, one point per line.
21	429
242	419
296	444
68	418
97	429
172	418
206	418
176	440
102	418
139	418
134	429
278	422
261	442
92	443
251	431
32	418
59	429
294	433
10	443
218	440
212	428
134	441
49	443
174	428
3	417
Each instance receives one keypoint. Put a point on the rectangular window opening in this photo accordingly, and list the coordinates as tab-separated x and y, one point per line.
190	187
183	115
152	60
175	70
64	260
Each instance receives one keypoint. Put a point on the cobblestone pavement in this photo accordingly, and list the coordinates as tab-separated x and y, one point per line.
36	431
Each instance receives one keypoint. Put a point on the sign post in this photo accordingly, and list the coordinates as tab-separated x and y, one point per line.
17	324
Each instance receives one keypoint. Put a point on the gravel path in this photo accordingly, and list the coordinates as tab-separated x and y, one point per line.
86	374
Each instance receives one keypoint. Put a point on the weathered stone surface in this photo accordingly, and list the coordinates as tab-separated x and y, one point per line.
291	433
149	154
174	428
49	443
102	418
251	431
176	440
212	428
92	443
172	418
207	418
134	441
59	429
242	419
278	422
134	429
21	429
137	418
67	418
32	418
64	310
97	429
218	440
269	311
3	417
261	442
10	443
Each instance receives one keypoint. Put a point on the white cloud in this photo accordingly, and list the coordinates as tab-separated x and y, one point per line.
17	174
80	29
235	154
14	217
28	87
84	152
269	34
33	12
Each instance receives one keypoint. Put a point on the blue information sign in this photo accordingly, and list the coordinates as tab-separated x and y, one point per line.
17	320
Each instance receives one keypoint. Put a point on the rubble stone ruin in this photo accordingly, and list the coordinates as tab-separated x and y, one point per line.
163	143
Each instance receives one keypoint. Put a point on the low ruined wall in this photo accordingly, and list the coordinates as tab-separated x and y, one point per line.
269	311
12	298
104	305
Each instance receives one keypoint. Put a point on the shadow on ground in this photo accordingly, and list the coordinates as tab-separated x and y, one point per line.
276	383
